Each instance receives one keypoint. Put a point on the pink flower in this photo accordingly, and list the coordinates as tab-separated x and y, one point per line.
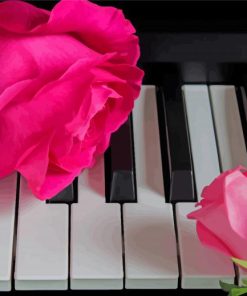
68	80
222	218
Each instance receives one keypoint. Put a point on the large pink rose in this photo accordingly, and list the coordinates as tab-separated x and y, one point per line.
68	80
222	218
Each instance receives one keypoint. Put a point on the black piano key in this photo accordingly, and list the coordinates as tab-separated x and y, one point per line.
177	161
242	105
67	196
120	183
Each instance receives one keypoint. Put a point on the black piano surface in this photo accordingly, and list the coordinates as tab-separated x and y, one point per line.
194	41
202	41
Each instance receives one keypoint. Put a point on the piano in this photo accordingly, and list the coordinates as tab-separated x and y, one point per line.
121	227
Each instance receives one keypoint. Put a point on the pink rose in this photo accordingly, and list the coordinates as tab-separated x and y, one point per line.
68	80
222	218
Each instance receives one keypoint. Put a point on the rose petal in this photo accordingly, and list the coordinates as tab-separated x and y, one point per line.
215	219
20	17
17	63
37	116
69	85
214	191
236	202
208	238
103	29
38	155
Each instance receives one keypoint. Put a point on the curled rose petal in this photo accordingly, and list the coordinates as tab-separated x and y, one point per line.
103	29
20	17
236	202
221	220
69	80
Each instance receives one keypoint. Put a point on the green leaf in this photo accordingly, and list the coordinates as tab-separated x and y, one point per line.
244	281
227	287
238	291
240	262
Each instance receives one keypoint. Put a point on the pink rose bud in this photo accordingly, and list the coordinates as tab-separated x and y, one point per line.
222	218
68	80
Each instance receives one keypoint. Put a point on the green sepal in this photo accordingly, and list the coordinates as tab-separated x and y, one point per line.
237	291
227	287
240	262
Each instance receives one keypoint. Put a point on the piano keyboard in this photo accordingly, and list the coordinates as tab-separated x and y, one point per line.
146	241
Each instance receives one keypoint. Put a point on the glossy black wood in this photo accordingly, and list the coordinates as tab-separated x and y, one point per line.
242	104
120	171
205	41
176	154
68	195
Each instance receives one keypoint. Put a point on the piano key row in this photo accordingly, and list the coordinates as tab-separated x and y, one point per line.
96	245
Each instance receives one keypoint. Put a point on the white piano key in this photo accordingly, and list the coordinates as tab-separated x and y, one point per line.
150	244
7	221
42	244
242	272
230	138
232	149
202	136
96	239
202	267
197	261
